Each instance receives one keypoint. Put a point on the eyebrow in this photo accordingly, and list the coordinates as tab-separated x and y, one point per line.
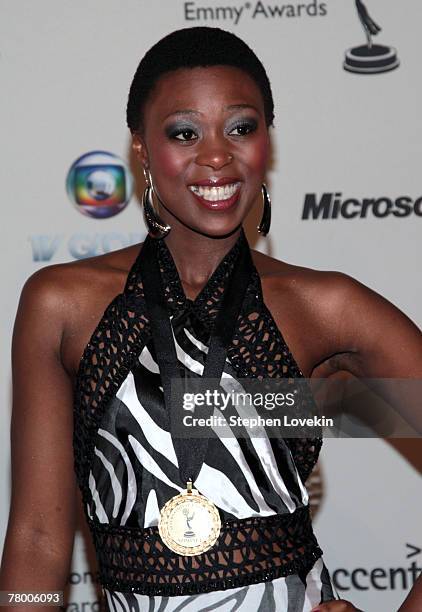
189	111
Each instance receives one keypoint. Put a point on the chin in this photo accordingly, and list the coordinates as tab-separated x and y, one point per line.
219	230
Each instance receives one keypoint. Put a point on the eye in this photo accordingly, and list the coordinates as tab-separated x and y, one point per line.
244	128
187	135
183	134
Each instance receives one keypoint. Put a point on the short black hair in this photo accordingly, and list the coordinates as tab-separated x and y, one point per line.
191	48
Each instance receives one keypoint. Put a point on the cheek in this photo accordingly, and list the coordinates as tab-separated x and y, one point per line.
257	156
169	161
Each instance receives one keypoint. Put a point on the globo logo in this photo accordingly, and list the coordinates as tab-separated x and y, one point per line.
99	184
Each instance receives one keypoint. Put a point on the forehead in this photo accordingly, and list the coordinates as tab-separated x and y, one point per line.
203	90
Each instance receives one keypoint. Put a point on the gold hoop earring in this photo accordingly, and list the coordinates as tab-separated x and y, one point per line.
157	228
264	226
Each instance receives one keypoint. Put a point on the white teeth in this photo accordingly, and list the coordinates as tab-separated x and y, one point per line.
215	194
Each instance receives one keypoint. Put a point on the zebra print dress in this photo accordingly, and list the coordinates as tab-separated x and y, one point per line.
267	557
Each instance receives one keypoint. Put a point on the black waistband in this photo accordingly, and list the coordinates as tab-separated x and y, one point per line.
248	551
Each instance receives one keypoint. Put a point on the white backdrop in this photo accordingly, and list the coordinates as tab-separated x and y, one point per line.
66	68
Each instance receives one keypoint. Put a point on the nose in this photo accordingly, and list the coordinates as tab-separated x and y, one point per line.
214	153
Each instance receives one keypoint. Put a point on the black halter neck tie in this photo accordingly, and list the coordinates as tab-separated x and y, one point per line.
191	452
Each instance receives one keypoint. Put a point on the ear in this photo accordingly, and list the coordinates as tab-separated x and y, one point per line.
139	149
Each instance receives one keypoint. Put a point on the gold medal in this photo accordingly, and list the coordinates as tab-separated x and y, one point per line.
189	523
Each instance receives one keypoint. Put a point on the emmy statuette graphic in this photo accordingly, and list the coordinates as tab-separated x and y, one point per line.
370	58
188	533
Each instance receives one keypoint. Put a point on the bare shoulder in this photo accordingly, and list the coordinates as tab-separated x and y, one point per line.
323	291
306	286
330	318
68	299
79	280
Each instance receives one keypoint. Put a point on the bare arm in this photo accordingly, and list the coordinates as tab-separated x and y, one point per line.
40	533
369	337
385	344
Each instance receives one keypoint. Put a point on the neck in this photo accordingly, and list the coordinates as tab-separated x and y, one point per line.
197	256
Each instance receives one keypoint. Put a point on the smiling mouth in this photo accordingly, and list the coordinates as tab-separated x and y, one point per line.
216	194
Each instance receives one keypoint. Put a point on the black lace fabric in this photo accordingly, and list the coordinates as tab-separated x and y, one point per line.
248	550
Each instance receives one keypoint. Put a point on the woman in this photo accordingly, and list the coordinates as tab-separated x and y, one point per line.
199	110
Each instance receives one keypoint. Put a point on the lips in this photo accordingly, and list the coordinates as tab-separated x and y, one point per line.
217	193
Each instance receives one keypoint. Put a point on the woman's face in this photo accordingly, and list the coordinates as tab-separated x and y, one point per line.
206	144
